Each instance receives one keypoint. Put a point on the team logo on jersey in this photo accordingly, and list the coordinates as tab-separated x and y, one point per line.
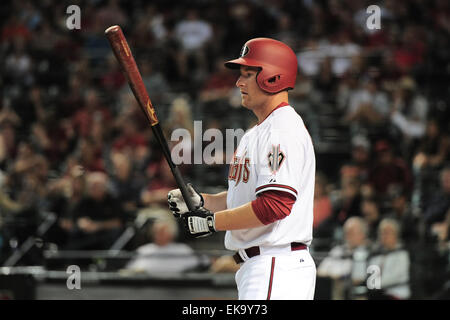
276	158
239	170
244	51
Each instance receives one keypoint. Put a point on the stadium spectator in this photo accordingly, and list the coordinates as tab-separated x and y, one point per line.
154	81
341	50
393	262
436	209
64	194
349	202
368	107
111	14
224	264
161	181
93	109
433	148
322	203
370	211
14	28
113	80
311	56
180	117
410	49
326	82
125	183
219	84
409	111
194	34
18	64
8	137
401	211
130	138
360	161
98	218
163	254
442	232
346	263
388	169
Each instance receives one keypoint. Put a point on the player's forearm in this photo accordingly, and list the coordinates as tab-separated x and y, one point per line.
215	202
242	217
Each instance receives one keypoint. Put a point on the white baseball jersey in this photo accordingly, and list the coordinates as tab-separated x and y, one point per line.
276	154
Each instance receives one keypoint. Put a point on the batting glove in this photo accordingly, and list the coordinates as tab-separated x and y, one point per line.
177	204
199	223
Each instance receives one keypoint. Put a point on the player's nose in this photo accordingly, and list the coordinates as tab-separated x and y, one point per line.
239	82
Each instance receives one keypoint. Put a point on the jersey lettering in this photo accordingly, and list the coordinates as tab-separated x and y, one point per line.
246	174
239	169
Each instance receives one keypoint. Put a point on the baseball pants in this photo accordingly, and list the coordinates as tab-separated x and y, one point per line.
277	276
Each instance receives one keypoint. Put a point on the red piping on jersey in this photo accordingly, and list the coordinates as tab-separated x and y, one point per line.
283	104
276	186
273	205
272	269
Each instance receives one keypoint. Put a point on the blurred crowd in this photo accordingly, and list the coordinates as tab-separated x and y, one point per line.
73	140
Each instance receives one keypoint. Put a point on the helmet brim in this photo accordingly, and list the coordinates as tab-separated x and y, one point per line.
237	63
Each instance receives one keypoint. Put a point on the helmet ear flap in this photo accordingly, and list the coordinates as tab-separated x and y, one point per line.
271	84
273	80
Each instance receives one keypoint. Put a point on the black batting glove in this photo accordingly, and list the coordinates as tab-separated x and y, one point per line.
199	223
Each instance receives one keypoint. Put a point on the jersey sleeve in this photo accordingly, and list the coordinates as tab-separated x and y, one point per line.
279	163
272	205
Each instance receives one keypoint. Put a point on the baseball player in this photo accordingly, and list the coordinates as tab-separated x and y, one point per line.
267	212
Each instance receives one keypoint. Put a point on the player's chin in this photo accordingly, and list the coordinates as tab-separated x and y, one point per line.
245	105
244	101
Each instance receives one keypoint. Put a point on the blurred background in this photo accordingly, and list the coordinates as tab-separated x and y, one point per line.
83	183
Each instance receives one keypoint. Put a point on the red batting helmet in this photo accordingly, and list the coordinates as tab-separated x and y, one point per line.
277	61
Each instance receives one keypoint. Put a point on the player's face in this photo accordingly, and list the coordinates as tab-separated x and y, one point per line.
252	96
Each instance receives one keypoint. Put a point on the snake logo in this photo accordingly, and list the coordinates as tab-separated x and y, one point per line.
244	51
276	158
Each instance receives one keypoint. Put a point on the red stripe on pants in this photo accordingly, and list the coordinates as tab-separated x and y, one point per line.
272	268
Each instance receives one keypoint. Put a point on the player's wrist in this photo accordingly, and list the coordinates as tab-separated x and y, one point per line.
219	220
200	222
215	202
242	217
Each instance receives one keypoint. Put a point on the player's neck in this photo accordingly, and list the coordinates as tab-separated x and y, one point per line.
270	104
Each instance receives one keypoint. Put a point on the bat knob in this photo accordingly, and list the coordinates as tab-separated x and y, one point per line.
112	29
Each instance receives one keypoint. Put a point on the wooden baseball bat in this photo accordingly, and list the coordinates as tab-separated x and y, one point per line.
126	60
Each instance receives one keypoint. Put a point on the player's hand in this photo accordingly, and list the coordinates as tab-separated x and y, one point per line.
177	204
199	223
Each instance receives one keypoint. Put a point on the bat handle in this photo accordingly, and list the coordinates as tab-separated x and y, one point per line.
158	133
183	188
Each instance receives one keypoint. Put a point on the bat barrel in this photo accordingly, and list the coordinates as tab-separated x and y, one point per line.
126	60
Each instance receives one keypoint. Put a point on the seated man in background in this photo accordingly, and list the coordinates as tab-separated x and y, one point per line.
163	254
97	217
389	169
401	211
346	263
393	262
435	210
